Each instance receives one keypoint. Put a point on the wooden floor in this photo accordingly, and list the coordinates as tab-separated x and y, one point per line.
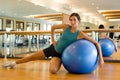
115	56
39	70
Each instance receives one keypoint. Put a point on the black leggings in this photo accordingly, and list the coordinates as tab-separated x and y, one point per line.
50	51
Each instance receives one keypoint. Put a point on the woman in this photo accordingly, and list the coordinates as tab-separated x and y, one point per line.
69	35
102	35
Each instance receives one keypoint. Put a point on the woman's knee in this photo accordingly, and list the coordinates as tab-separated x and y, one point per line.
53	70
55	65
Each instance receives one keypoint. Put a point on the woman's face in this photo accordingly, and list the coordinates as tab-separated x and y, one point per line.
74	21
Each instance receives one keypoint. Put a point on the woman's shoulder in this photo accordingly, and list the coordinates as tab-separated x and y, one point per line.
66	26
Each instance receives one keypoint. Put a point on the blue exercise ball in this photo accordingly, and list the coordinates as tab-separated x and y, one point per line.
107	47
80	57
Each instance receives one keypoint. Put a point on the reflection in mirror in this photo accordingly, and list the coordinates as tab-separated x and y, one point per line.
9	25
19	26
36	27
115	57
1	24
29	26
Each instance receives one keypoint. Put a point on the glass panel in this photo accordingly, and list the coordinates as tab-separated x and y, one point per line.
19	26
36	27
44	27
0	24
29	26
49	27
9	25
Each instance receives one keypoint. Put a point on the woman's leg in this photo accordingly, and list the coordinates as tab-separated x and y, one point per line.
34	56
55	64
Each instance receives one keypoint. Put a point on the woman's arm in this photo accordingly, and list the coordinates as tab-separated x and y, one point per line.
83	35
102	35
61	26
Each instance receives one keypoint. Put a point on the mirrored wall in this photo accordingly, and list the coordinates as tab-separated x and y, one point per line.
9	25
1	22
19	26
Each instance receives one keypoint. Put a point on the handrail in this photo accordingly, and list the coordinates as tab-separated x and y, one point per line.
49	32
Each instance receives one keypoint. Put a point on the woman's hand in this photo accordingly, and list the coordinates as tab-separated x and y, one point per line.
54	43
101	62
83	35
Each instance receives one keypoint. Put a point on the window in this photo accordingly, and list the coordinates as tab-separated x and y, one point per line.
36	27
29	26
9	25
44	27
19	26
49	27
0	24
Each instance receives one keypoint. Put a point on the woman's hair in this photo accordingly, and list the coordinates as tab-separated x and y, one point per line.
76	15
101	26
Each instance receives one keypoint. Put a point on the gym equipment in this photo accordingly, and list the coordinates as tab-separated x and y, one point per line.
80	57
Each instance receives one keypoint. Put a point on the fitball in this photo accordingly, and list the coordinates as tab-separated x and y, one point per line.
80	57
107	47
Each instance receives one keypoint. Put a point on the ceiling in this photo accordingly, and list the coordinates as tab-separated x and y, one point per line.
111	14
89	8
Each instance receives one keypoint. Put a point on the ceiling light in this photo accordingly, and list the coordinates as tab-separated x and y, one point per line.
61	1
114	19
30	16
